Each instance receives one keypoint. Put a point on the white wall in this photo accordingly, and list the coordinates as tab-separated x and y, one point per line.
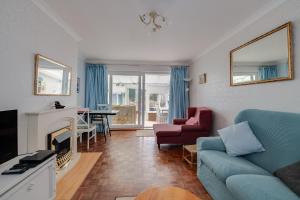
81	76
24	31
227	101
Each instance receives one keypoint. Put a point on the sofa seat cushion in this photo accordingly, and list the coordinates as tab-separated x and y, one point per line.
254	187
167	130
223	165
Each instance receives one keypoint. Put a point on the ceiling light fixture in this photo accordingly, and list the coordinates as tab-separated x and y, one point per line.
153	18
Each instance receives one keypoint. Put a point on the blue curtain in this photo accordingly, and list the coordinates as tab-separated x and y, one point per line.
96	88
268	72
179	96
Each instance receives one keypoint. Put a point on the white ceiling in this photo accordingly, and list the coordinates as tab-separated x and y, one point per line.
111	30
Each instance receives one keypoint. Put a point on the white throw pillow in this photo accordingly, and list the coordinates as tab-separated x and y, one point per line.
240	140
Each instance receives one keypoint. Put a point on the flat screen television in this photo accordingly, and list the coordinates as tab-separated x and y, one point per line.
8	135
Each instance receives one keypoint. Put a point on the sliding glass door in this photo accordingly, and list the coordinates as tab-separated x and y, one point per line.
156	102
126	98
141	99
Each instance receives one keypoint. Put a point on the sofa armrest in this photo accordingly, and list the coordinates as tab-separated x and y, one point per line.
179	121
210	143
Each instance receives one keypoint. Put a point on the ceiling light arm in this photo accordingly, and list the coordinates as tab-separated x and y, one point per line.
158	26
153	18
143	19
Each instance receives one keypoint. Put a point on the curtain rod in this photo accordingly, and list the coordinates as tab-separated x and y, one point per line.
137	63
141	64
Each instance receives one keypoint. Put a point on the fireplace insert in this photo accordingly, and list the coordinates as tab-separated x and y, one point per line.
61	142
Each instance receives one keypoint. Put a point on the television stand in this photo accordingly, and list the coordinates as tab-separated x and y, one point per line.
36	183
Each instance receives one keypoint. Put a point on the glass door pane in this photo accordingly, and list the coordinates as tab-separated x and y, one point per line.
126	99
156	103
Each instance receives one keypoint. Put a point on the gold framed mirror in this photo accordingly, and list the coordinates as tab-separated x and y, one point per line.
51	78
267	58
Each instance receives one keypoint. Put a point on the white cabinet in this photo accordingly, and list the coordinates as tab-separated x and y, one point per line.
37	183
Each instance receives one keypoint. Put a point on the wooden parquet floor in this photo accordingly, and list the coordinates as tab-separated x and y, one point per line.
131	164
69	184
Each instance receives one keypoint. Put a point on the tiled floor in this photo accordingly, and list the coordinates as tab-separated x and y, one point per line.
131	164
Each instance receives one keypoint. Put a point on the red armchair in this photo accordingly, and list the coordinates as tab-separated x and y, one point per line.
181	133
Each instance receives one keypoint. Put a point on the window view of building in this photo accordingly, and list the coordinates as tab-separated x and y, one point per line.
125	92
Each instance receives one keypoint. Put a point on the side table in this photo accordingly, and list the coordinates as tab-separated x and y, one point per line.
189	154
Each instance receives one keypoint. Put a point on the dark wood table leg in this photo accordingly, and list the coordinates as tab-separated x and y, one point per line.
108	125
103	129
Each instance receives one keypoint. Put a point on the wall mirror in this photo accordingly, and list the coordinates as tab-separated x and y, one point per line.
51	78
265	59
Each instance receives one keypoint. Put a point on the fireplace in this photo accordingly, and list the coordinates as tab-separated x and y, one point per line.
61	142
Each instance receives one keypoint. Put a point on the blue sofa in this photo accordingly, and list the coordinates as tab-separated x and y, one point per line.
251	177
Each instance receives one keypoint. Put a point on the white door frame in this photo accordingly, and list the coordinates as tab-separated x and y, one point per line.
139	125
141	96
144	91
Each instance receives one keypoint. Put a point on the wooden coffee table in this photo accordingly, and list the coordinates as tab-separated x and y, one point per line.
166	193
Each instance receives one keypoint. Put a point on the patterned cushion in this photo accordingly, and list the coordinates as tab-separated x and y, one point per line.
254	187
192	121
290	175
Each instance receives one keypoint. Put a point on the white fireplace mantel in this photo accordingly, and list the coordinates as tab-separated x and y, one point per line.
51	111
41	123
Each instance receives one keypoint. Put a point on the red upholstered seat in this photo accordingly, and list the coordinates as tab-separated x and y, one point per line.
181	133
165	130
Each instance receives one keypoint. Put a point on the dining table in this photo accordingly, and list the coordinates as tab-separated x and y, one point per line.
101	113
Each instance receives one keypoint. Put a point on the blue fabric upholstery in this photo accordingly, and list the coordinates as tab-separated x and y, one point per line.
239	140
210	143
223	165
278	132
254	187
249	177
216	188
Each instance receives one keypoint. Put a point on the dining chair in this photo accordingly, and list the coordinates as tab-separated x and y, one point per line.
101	121
107	119
84	126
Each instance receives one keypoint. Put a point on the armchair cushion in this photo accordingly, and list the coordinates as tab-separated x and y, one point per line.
210	143
192	121
167	130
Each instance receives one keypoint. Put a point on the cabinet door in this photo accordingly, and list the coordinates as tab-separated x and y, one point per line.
40	187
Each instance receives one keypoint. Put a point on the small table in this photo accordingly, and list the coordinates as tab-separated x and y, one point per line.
166	193
105	113
190	155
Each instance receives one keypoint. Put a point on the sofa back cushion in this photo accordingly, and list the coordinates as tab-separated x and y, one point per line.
279	133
